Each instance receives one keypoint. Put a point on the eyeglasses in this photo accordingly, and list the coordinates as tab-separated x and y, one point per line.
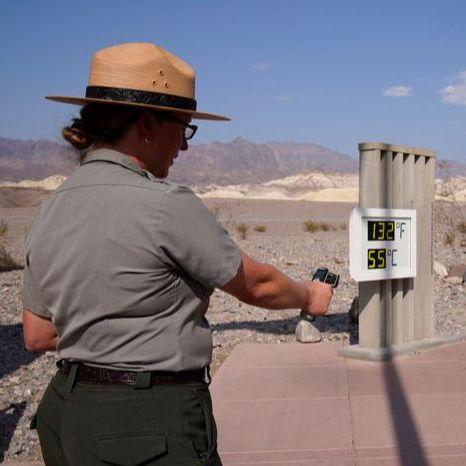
189	130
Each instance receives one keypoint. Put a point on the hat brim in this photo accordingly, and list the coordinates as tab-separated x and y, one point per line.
85	100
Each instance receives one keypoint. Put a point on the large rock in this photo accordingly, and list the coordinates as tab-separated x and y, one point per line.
440	269
306	332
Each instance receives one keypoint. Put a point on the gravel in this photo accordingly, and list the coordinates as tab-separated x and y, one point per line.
24	376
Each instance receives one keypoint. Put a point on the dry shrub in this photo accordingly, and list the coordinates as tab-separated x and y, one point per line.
6	261
3	229
462	227
449	238
242	229
260	228
216	209
312	226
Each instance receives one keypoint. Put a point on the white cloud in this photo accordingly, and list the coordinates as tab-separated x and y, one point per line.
398	91
282	97
456	92
262	66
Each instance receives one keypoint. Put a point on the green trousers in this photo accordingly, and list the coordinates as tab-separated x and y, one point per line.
165	425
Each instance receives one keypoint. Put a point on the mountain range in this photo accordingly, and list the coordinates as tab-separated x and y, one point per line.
220	163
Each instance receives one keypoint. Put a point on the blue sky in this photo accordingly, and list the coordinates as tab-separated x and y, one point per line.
331	72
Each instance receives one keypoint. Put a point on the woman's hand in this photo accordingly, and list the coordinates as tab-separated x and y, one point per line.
319	298
39	333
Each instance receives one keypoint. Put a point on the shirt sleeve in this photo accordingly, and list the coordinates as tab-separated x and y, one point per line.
189	237
31	296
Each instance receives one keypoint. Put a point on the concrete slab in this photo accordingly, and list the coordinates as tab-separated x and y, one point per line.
283	355
414	377
287	383
411	421
306	405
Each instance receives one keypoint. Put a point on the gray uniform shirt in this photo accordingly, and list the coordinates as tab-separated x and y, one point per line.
124	264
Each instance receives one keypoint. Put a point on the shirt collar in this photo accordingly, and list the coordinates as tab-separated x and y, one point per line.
113	156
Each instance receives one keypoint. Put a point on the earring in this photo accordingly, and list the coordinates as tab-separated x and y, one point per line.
147	140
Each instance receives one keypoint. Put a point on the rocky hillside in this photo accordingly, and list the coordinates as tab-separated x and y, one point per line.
34	160
241	161
220	163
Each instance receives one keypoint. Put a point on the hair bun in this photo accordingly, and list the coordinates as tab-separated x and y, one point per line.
76	137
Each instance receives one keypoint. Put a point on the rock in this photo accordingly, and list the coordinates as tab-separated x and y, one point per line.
306	332
440	269
454	280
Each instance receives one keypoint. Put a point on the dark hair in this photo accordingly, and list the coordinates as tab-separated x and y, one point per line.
100	123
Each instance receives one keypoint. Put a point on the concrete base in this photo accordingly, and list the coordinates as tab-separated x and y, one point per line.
389	352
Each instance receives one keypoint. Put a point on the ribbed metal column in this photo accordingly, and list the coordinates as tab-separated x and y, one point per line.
397	313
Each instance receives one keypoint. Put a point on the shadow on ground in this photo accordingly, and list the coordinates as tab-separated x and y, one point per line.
9	418
13	355
410	450
331	323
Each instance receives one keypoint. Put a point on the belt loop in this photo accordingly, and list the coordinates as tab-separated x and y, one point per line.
143	380
70	381
207	377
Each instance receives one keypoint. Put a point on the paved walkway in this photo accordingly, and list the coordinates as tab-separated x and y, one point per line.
294	404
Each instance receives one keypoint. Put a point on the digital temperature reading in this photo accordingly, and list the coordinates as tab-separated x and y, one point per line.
381	230
382	244
376	258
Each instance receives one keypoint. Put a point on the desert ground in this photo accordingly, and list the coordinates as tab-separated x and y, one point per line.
281	241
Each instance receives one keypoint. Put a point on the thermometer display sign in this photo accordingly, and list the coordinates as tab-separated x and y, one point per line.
382	244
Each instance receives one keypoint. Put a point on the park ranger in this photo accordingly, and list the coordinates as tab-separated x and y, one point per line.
120	265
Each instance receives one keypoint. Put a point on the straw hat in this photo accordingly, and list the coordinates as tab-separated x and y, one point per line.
143	75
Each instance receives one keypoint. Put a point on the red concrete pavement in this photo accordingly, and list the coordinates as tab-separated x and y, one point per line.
294	404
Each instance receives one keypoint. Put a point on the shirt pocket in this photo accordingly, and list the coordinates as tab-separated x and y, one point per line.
132	449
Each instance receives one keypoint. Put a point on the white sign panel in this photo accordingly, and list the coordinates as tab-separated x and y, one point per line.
382	244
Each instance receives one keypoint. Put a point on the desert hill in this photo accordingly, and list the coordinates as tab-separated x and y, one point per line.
312	186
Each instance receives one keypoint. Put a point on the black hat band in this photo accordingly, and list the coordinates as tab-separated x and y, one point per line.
140	97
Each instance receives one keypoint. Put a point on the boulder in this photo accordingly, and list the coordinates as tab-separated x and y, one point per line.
440	269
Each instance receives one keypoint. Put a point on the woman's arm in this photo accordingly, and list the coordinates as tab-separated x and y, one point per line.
263	285
39	333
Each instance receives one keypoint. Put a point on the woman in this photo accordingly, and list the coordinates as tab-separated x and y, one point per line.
120	266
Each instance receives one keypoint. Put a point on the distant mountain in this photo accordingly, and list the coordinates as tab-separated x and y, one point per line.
34	159
241	161
236	162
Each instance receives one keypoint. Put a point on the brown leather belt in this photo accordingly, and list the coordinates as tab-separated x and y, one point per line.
104	376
